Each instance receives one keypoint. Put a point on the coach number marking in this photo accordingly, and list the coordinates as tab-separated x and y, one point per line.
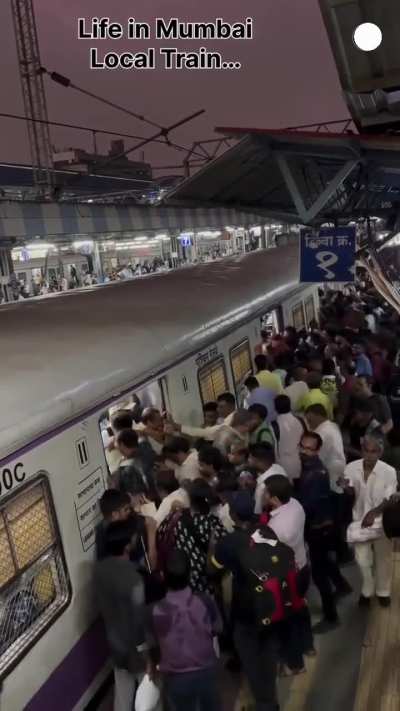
11	476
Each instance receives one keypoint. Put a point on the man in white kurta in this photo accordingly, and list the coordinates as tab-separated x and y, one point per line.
373	483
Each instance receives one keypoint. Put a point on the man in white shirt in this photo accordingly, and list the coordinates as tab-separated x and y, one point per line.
287	517
287	520
289	430
262	459
171	494
372	482
332	451
226	408
151	429
121	420
184	460
298	388
236	433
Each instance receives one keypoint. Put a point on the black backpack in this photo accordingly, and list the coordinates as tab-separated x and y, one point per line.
271	579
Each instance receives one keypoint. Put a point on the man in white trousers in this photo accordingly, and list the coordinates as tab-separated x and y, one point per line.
372	482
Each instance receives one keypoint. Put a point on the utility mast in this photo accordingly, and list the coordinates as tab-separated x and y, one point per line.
33	94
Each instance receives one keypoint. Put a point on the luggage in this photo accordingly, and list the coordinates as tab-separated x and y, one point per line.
269	570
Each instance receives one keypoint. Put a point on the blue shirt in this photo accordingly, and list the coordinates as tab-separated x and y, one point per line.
266	397
363	365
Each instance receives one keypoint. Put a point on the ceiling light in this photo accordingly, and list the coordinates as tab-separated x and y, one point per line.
368	37
40	245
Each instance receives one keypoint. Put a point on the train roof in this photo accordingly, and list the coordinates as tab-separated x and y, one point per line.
66	353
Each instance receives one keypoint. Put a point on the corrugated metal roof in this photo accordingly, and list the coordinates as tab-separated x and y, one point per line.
301	176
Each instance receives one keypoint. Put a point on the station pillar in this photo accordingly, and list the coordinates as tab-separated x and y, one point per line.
7	277
264	237
174	250
97	263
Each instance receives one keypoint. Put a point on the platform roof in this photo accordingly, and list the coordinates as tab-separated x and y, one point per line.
370	80
17	179
300	176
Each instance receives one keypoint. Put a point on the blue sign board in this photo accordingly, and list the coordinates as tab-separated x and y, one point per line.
328	256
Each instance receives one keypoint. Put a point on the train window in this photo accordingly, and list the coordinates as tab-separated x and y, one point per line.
298	316
212	380
310	309
34	584
240	363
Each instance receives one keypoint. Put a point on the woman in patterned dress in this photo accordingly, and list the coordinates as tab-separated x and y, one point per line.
192	531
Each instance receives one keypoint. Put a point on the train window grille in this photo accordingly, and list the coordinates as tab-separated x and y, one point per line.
310	309
298	316
240	356
212	380
34	584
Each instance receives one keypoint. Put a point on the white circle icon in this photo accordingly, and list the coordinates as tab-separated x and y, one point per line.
368	37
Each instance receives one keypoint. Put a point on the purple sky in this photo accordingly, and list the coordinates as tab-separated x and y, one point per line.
288	75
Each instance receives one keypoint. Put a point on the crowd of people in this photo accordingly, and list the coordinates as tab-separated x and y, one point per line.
71	278
211	535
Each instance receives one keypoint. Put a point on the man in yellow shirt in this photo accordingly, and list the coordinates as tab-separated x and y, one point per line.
265	377
315	396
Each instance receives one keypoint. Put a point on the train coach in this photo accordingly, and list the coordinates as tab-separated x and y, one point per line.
176	340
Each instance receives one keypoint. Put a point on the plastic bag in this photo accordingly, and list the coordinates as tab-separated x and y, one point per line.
147	695
357	534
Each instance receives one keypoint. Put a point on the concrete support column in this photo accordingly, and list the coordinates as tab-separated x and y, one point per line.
174	250
194	247
97	262
6	270
264	237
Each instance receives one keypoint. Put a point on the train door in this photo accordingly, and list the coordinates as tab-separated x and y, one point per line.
273	321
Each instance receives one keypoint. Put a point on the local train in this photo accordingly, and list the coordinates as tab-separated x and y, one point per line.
176	340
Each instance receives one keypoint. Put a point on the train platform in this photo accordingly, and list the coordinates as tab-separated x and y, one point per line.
333	679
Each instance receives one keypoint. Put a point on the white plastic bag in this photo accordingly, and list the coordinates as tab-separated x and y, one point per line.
147	695
357	534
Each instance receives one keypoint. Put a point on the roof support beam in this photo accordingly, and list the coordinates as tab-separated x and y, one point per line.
291	185
308	215
331	189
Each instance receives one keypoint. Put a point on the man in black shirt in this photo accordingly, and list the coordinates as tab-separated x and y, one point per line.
258	650
362	423
114	506
120	596
379	403
314	494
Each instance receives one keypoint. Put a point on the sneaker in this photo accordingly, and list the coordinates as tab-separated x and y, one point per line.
364	601
384	601
325	626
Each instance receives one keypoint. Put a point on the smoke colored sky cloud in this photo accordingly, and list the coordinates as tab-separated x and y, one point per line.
288	76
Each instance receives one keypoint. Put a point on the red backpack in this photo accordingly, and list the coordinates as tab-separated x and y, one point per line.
270	576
